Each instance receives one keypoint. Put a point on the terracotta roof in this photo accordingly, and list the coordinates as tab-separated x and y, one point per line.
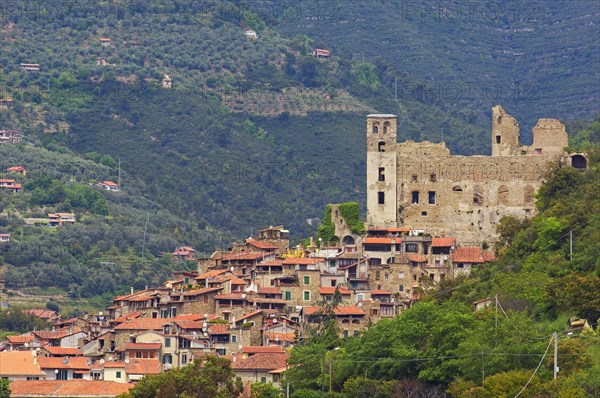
262	361
59	363
470	255
271	263
143	366
331	290
266	300
230	296
57	334
260	245
19	363
442	242
44	314
380	241
21	339
416	258
339	310
190	317
198	292
127	317
253	349
114	364
211	274
142	324
380	293
218	328
243	256
301	261
189	324
64	351
269	290
249	315
280	336
68	388
143	346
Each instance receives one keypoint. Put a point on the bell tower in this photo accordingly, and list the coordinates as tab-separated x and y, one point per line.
381	170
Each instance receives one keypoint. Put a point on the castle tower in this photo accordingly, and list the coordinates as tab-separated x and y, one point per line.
505	133
381	170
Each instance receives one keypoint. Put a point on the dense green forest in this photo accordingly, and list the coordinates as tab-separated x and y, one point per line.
442	345
535	57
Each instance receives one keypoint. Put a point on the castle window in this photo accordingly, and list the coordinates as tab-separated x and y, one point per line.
375	129
386	125
433	177
477	196
457	188
415	197
423	213
414	178
503	195
579	162
498	139
381	197
401	288
431	197
381	176
381	146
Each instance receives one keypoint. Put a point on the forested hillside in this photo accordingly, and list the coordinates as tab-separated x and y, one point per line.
539	58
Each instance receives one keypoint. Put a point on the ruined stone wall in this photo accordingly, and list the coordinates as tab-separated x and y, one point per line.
462	196
467	196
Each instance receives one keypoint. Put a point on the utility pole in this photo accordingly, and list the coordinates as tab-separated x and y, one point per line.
571	245
323	374
482	370
330	375
496	320
555	337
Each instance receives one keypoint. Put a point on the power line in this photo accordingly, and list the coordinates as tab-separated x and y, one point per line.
536	369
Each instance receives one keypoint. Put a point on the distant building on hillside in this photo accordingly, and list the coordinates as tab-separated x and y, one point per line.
4	238
321	53
6	103
10	136
30	67
109	186
101	61
251	34
59	219
105	42
167	82
17	169
11	185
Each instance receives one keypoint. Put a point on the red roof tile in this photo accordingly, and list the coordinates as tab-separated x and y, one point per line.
331	290
218	328
19	363
143	366
469	255
380	293
199	292
243	256
64	363
21	339
249	315
260	245
269	290
57	334
253	349
44	314
380	241
416	258
262	361
62	351
301	261
442	242
68	388
142	346
339	310
142	324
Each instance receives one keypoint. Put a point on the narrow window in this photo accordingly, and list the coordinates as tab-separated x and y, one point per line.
433	177
401	288
288	295
381	146
375	129
414	178
381	176
307	280
306	295
498	139
415	197
431	197
423	213
381	197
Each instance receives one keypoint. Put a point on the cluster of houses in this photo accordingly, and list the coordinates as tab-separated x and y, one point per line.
10	136
249	304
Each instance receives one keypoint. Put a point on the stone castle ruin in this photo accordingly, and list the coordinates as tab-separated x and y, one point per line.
422	186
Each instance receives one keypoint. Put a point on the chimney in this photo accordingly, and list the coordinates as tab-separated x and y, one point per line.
131	289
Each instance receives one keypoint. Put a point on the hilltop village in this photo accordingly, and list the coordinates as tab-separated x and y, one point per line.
255	300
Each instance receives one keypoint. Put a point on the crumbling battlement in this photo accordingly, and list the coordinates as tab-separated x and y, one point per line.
421	185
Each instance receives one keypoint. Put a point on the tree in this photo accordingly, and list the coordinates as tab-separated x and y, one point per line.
264	390
4	388
209	377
